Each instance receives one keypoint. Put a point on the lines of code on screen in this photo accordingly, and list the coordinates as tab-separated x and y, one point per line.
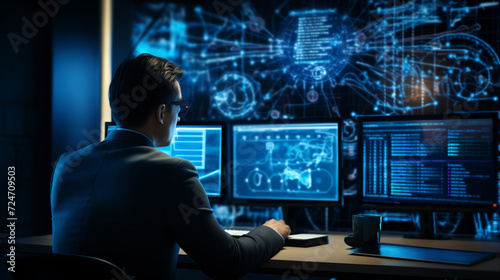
429	161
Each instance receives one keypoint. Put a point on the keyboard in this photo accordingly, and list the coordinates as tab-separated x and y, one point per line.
293	240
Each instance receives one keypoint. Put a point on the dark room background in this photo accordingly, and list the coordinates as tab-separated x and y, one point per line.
389	58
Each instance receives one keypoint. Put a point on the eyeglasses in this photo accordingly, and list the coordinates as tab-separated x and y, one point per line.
183	107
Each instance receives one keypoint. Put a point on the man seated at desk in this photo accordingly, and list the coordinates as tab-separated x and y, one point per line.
126	202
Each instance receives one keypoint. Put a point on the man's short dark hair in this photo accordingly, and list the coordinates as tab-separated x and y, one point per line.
139	86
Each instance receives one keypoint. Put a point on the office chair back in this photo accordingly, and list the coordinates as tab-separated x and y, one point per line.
42	266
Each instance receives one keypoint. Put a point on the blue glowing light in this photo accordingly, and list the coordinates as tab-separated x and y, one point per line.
202	146
373	60
286	161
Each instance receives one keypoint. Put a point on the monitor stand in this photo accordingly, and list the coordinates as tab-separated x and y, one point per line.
288	214
427	230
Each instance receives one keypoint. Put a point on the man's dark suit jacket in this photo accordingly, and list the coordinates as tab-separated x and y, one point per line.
126	202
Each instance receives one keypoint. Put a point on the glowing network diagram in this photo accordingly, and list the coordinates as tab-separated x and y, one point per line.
293	161
306	59
301	60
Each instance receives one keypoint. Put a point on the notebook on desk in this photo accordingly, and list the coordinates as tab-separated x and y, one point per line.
293	240
425	254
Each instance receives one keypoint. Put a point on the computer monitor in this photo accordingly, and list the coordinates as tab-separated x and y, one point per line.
203	144
429	163
286	162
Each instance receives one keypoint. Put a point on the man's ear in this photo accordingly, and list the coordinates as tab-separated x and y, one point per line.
160	113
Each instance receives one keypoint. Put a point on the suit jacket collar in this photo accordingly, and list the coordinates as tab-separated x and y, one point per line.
134	138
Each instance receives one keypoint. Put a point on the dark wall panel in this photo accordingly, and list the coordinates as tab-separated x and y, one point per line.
76	77
25	114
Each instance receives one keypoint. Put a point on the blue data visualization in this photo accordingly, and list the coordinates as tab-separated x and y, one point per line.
430	161
307	59
286	161
202	146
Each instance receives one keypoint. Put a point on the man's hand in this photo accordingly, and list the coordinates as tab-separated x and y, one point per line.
279	226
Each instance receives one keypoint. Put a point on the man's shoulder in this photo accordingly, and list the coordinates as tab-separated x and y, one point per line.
149	156
129	159
144	155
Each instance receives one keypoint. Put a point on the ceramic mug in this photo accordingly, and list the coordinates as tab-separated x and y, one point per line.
366	230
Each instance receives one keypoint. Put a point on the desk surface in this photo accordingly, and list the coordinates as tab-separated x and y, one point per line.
334	259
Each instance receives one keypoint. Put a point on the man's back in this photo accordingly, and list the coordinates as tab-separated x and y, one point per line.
127	202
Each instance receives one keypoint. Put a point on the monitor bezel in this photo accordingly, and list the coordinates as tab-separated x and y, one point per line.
224	159
222	198
286	202
106	127
427	206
